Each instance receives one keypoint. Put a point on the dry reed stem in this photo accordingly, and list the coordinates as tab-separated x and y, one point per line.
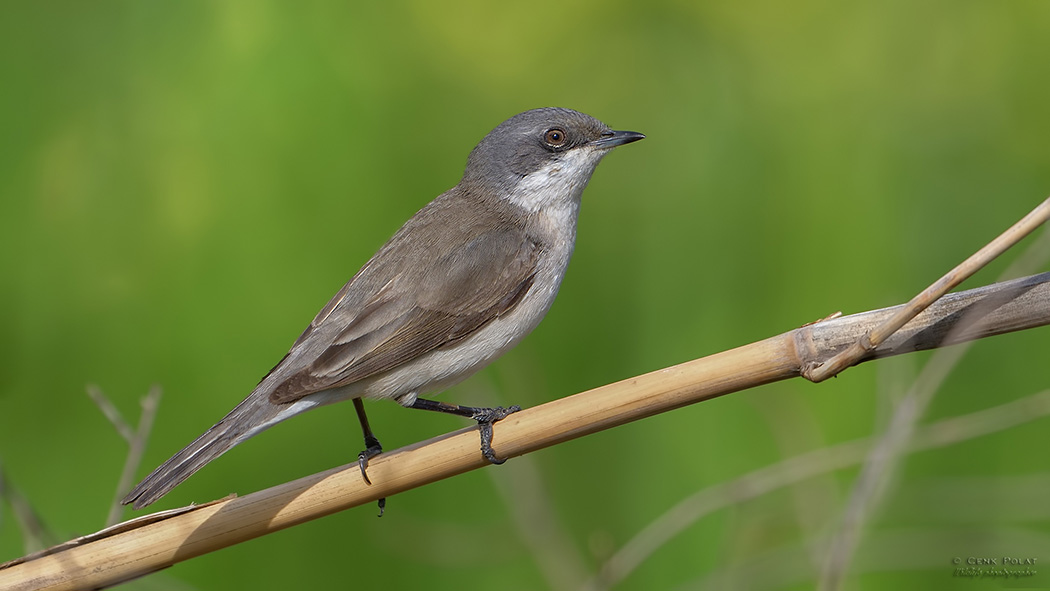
884	457
154	542
873	338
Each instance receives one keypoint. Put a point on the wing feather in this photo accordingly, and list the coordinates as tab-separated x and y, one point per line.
355	337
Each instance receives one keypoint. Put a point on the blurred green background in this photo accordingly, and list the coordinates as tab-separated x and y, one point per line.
184	185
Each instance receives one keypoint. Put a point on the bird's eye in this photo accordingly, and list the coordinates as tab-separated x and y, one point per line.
554	138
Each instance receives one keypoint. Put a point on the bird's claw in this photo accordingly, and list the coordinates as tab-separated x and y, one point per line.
485	418
373	450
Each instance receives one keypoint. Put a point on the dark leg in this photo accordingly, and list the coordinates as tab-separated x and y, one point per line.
484	416
372	447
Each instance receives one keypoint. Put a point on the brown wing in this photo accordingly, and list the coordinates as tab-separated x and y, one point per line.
434	302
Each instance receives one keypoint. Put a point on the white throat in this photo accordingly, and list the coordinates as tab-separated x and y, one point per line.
559	184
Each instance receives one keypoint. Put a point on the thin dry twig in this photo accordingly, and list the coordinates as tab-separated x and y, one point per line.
110	412
133	549
549	545
136	450
871	340
35	535
534	517
803	467
135	438
884	457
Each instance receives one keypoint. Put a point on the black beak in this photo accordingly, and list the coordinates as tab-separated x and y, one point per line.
611	139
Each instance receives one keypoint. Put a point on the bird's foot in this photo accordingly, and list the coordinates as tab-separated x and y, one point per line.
372	449
485	418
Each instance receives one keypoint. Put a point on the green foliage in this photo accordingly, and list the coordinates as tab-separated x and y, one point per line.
185	184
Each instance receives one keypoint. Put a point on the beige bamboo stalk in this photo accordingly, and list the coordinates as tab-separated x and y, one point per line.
873	338
153	542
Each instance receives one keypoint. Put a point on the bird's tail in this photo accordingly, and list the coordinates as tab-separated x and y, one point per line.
250	417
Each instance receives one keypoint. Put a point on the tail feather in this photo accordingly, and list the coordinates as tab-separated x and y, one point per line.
250	417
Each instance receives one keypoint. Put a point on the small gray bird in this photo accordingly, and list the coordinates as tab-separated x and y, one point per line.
463	281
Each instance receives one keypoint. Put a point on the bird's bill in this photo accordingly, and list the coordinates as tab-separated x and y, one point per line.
611	138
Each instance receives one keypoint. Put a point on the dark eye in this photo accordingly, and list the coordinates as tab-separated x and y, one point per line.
555	138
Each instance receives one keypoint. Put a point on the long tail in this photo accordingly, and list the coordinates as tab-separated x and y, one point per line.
250	417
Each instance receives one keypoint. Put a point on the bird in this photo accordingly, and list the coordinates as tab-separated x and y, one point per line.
464	280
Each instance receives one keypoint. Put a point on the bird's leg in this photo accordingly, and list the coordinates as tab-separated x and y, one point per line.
372	447
484	416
